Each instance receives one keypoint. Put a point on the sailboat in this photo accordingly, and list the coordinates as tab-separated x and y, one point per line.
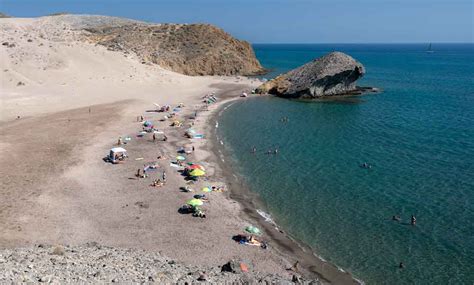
430	50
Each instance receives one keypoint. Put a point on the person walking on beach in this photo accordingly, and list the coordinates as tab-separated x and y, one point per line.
154	137
164	176
138	173
193	148
413	220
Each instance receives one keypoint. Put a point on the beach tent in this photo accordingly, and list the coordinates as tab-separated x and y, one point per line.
117	152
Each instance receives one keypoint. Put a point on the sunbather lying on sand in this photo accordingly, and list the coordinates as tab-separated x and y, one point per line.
157	183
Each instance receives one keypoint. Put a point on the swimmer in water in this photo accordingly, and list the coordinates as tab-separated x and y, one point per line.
396	218
413	220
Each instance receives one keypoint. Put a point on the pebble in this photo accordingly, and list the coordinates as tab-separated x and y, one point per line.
92	263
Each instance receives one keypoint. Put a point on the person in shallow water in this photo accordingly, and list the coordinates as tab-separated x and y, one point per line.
401	265
413	220
366	165
396	218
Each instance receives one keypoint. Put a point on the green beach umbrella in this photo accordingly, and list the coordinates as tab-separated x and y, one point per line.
195	202
180	157
253	230
197	172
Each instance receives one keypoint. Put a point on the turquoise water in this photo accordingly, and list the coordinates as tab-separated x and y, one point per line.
418	135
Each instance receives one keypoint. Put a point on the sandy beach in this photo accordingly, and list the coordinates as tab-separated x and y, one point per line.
64	104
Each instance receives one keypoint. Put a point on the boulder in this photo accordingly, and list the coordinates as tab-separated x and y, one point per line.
333	74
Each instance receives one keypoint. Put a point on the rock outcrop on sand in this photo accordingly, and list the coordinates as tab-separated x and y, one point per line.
93	263
333	74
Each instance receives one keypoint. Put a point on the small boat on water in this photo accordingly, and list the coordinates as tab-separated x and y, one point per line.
429	50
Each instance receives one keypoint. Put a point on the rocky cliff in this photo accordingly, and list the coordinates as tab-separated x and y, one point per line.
333	74
191	49
196	49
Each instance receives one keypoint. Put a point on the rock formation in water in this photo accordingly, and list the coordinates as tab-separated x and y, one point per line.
333	74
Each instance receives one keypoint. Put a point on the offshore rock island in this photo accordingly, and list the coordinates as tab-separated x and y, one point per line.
334	74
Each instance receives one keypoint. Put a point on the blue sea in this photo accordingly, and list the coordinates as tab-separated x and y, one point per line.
418	135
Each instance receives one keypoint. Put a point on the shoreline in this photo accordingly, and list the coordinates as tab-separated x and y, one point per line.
283	243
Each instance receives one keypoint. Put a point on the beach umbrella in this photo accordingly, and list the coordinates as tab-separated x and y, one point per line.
180	157
206	189
253	230
147	123
197	172
195	202
197	166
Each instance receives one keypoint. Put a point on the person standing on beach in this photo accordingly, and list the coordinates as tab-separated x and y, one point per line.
154	137
138	173
164	176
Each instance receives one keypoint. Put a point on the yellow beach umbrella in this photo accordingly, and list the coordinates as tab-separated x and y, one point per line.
197	172
195	202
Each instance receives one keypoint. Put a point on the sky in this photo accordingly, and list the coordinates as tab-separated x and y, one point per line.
287	21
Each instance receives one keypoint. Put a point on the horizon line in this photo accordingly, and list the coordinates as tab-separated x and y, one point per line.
358	43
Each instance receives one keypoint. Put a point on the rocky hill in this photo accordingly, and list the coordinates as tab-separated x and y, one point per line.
196	49
333	74
191	49
93	263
